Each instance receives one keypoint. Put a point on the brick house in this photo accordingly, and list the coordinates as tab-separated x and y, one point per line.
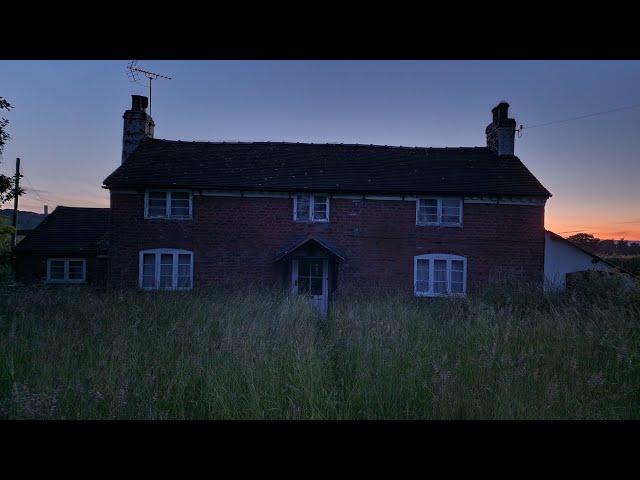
68	247
321	218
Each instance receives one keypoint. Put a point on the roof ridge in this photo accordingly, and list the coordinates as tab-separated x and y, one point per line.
368	145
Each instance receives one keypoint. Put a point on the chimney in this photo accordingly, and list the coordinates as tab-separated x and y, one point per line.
138	125
501	131
46	210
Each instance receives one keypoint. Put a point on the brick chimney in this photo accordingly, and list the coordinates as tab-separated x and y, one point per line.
501	131
138	125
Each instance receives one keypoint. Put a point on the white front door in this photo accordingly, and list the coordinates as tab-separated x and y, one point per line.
310	277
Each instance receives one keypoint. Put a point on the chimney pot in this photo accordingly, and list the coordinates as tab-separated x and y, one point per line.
139	103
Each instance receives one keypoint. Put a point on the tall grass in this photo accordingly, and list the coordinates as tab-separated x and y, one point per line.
631	263
81	354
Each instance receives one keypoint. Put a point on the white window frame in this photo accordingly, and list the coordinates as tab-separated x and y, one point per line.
311	208
431	257
158	252
66	270
439	223
168	215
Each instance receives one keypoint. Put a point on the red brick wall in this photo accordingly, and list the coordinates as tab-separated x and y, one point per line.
31	268
236	239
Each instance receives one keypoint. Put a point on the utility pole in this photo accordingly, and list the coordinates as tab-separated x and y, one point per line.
16	189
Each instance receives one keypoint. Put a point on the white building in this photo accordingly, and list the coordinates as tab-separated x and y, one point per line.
562	257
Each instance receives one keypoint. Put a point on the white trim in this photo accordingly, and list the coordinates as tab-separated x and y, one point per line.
174	274
265	194
439	223
311	208
506	201
390	197
222	193
168	192
383	197
348	197
430	257
66	270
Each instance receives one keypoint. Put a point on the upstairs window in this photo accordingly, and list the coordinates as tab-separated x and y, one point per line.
168	204
439	211
311	208
66	270
438	275
166	269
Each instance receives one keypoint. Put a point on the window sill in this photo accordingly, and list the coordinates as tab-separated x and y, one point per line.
454	225
168	218
152	289
438	295
311	221
65	282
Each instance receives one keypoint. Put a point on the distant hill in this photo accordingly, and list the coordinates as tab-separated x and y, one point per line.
26	220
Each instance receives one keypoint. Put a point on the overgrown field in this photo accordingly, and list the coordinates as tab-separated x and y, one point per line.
509	354
631	263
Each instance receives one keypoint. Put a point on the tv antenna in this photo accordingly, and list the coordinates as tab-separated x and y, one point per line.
134	75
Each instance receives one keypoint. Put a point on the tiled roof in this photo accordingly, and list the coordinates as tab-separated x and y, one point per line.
306	240
69	230
335	168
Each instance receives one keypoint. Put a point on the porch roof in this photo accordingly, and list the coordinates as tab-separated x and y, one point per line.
303	241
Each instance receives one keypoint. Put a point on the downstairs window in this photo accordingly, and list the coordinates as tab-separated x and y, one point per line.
439	274
166	269
66	270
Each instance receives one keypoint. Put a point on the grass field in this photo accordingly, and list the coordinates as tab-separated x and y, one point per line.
631	263
510	354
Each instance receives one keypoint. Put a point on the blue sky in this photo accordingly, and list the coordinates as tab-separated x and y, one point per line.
67	122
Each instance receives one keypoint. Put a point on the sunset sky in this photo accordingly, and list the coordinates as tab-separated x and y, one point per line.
66	124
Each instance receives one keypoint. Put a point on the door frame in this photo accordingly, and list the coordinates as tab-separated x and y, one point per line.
324	301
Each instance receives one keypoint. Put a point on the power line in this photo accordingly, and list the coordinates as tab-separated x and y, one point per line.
628	107
34	189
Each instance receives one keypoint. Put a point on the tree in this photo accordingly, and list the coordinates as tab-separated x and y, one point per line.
586	241
6	183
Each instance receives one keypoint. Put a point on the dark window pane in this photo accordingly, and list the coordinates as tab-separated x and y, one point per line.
304	268
422	286
157	204
320	207
302	205
423	270
440	287
179	204
56	270
316	286
303	285
76	270
315	268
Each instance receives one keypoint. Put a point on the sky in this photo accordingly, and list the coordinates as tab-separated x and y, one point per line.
66	124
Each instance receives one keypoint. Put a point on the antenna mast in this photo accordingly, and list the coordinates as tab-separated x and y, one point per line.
134	77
